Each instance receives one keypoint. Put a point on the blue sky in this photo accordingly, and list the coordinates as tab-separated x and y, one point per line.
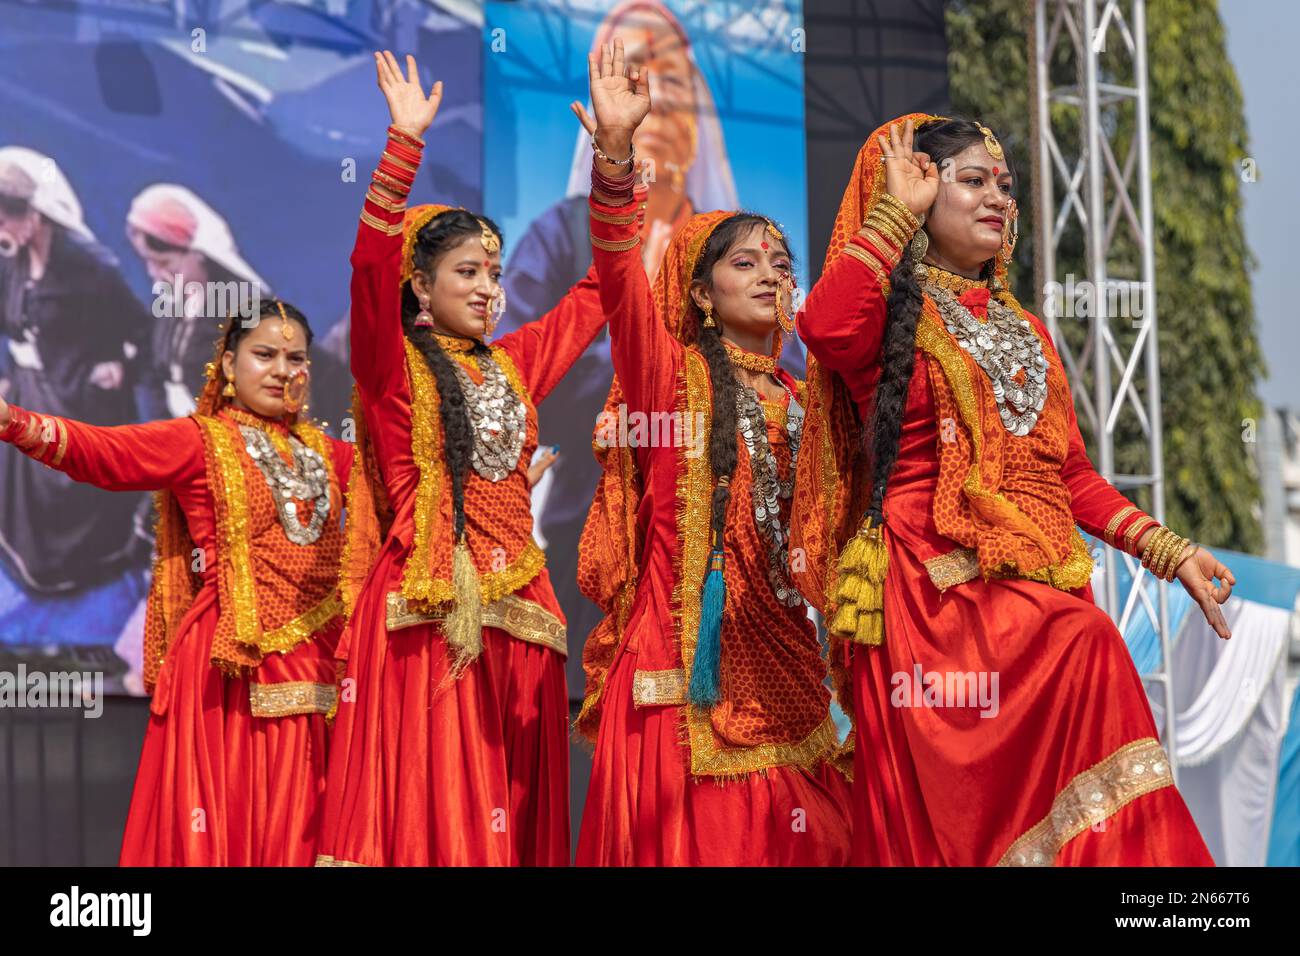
1261	44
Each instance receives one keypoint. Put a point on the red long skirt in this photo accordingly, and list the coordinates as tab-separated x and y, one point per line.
217	786
429	771
1049	776
643	808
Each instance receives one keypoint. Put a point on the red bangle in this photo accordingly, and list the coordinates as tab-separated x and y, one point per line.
403	152
619	188
405	137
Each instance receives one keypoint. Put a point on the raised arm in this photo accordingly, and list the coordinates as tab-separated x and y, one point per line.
545	349
146	457
376	336
646	357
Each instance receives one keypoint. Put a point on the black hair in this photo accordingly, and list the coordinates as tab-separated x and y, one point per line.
722	380
237	328
941	141
432	242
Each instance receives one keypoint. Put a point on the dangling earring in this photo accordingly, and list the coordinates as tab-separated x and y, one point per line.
424	320
784	320
708	315
229	390
916	252
496	309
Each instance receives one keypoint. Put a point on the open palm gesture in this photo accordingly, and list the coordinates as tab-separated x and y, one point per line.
620	98
411	109
909	176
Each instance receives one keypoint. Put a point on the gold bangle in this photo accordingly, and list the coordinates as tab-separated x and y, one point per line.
893	203
1160	563
1176	557
1159	541
399	162
883	224
1152	541
905	226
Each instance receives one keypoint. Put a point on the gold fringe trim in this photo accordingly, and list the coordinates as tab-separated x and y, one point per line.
288	636
323	859
659	688
232	528
1091	797
426	448
290	698
518	617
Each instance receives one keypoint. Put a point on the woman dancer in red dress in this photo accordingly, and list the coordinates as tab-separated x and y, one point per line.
999	717
713	741
244	612
454	750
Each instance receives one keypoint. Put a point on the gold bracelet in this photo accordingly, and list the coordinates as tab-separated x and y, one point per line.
1160	563
905	226
892	202
1160	541
883	224
1149	550
1175	558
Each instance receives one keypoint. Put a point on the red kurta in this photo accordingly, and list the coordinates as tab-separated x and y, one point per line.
219	785
1062	763
748	783
428	769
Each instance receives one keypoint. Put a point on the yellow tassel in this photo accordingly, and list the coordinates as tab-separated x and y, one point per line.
875	559
851	556
870	595
870	628
845	621
463	625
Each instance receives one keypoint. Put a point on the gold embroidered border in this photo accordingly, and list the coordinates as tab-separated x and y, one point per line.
290	698
387	228
326	860
658	688
612	220
518	617
62	429
288	636
694	499
609	245
385	204
1113	525
1094	795
956	567
232	526
417	579
868	260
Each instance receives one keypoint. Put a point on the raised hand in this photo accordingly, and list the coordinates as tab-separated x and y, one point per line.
620	98
412	111
909	176
1197	573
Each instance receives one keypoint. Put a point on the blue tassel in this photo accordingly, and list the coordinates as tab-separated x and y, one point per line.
706	672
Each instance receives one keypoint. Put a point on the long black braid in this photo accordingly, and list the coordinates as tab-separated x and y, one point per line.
439	235
940	141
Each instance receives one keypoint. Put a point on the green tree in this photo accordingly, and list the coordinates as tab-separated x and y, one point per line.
1210	357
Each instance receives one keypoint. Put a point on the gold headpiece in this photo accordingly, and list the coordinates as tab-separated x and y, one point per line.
491	244
286	327
991	142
